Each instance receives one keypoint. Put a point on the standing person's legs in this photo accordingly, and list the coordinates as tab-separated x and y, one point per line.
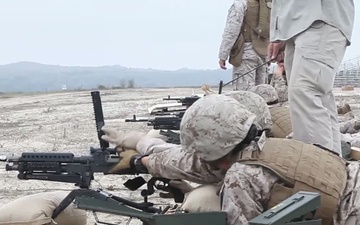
244	82
261	73
318	52
250	60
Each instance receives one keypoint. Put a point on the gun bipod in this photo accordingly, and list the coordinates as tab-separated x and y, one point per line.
148	218
104	201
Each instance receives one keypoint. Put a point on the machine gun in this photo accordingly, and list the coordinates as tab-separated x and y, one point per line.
186	101
179	107
66	167
166	125
161	122
165	119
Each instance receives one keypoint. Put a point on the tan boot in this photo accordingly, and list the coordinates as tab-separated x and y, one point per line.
357	125
344	109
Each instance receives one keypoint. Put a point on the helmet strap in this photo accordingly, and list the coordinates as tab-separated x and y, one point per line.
251	135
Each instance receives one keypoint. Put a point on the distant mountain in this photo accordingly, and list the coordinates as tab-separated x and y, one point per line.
35	77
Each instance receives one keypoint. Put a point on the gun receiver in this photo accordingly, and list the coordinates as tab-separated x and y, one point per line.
166	125
186	101
161	122
167	120
64	167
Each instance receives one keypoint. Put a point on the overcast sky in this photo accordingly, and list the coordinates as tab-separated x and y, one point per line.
161	34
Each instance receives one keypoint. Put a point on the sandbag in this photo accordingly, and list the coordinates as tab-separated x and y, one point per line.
37	209
204	198
281	121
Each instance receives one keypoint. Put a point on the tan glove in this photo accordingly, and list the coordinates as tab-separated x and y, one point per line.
121	140
183	186
126	158
206	89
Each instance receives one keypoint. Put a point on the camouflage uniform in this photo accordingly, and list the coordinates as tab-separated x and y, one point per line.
243	193
255	104
351	126
267	92
279	83
250	58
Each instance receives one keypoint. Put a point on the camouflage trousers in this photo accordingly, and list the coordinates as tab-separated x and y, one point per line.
250	60
350	126
279	83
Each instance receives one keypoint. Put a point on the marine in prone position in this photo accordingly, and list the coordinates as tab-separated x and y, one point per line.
220	145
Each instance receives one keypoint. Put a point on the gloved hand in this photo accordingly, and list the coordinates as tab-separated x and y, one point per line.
121	140
183	186
207	90
127	158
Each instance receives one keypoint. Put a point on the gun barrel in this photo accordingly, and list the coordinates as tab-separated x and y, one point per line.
50	157
135	119
172	99
34	167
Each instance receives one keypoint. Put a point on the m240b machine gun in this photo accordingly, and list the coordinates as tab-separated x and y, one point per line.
66	167
160	122
186	101
166	125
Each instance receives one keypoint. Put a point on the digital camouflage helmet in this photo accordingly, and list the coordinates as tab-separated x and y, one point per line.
255	104
267	92
214	125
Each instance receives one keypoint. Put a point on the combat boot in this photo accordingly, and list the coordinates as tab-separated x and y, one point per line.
344	109
357	125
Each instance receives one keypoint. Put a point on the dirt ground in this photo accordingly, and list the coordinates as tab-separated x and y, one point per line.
64	122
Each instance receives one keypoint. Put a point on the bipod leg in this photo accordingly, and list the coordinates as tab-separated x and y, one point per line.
101	222
70	198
